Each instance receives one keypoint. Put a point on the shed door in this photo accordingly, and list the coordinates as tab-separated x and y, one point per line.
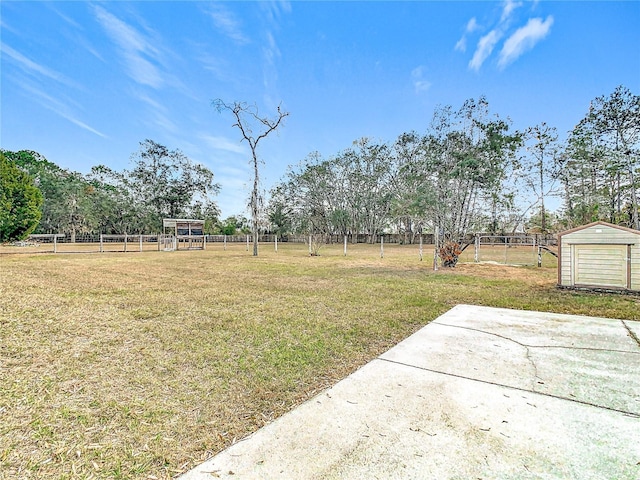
600	265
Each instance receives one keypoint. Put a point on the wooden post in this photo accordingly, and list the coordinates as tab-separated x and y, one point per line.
125	242
539	255
55	243
310	252
204	242
345	245
140	242
276	241
476	255
101	248
225	243
247	243
436	242
382	246
420	247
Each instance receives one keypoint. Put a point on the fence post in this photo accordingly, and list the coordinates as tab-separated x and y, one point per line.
345	245
505	251
225	243
420	247
310	245
436	242
125	242
382	246
141	242
276	241
539	255
55	243
476	255
101	248
247	243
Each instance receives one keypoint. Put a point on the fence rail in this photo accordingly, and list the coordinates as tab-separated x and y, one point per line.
509	249
519	249
388	238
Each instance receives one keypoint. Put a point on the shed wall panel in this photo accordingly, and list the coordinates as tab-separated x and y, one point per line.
565	263
601	265
635	267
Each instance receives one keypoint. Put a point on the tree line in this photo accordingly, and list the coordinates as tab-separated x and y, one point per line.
469	171
162	183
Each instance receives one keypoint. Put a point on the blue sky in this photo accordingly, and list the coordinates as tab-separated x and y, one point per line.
84	82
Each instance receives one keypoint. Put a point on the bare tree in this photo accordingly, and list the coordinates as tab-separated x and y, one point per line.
247	118
541	168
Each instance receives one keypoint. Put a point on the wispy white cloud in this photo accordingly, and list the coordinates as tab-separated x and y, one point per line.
270	53
234	171
75	34
523	39
159	115
419	83
6	27
58	107
221	67
139	52
270	50
88	47
275	9
485	46
508	7
461	45
64	17
164	122
82	125
225	21
472	26
222	143
32	68
150	101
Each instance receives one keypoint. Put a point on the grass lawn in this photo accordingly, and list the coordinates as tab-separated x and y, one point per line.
142	365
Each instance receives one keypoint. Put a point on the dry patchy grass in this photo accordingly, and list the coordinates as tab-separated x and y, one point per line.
143	365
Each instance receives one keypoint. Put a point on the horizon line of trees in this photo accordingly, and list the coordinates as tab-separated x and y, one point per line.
162	183
468	172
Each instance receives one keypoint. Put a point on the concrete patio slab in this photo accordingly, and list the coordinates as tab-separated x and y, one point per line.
479	393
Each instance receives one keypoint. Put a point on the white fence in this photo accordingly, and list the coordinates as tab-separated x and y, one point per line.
509	249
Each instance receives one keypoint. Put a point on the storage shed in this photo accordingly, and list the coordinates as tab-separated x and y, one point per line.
599	256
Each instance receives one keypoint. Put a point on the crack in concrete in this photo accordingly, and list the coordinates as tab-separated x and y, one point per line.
631	334
548	346
526	348
536	378
511	387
